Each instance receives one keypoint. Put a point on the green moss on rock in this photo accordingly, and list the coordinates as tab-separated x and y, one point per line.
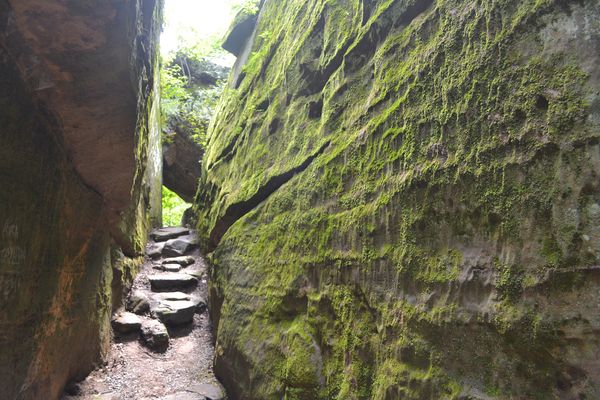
420	253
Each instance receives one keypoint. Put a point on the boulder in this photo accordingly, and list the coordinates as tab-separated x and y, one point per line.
154	250
155	335
164	234
175	312
180	246
184	261
188	218
126	322
240	31
138	302
199	302
181	163
171	281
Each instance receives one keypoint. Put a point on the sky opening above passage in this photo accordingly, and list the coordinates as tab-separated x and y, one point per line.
189	19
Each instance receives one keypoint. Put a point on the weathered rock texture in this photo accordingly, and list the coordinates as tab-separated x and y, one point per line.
403	202
80	172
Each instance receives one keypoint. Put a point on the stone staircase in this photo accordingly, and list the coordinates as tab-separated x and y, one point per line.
166	314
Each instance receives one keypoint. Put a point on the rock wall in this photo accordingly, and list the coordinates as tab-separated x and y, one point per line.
403	201
79	152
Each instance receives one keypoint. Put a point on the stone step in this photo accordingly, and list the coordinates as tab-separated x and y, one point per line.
184	261
154	250
178	247
198	301
126	323
171	281
164	234
168	267
175	312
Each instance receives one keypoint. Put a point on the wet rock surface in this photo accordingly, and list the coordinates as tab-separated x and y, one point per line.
169	354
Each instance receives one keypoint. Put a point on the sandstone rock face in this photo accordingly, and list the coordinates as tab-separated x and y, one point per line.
403	202
75	148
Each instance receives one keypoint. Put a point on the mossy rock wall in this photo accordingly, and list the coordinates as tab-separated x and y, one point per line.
66	260
402	200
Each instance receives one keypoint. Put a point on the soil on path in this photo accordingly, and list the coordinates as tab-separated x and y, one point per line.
134	372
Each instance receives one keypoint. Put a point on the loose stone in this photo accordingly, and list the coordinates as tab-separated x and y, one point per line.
155	335
126	323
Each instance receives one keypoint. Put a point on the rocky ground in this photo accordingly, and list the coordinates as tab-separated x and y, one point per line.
163	343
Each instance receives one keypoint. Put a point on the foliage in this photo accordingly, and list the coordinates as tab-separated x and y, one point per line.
248	7
173	208
173	92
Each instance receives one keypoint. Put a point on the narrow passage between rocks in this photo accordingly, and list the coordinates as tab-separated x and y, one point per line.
163	347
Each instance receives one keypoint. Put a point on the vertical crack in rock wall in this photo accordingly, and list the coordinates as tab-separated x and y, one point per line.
446	244
80	172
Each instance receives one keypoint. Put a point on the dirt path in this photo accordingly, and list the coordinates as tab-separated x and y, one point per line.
182	372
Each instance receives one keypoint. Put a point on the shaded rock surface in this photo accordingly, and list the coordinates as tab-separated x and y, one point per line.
402	200
138	302
80	160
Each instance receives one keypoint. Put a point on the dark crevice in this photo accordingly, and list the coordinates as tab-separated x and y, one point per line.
368	43
238	210
227	152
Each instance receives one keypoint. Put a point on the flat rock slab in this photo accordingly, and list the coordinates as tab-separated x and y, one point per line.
198	301
175	312
126	323
171	296
178	247
155	335
210	392
164	234
171	281
184	261
183	396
